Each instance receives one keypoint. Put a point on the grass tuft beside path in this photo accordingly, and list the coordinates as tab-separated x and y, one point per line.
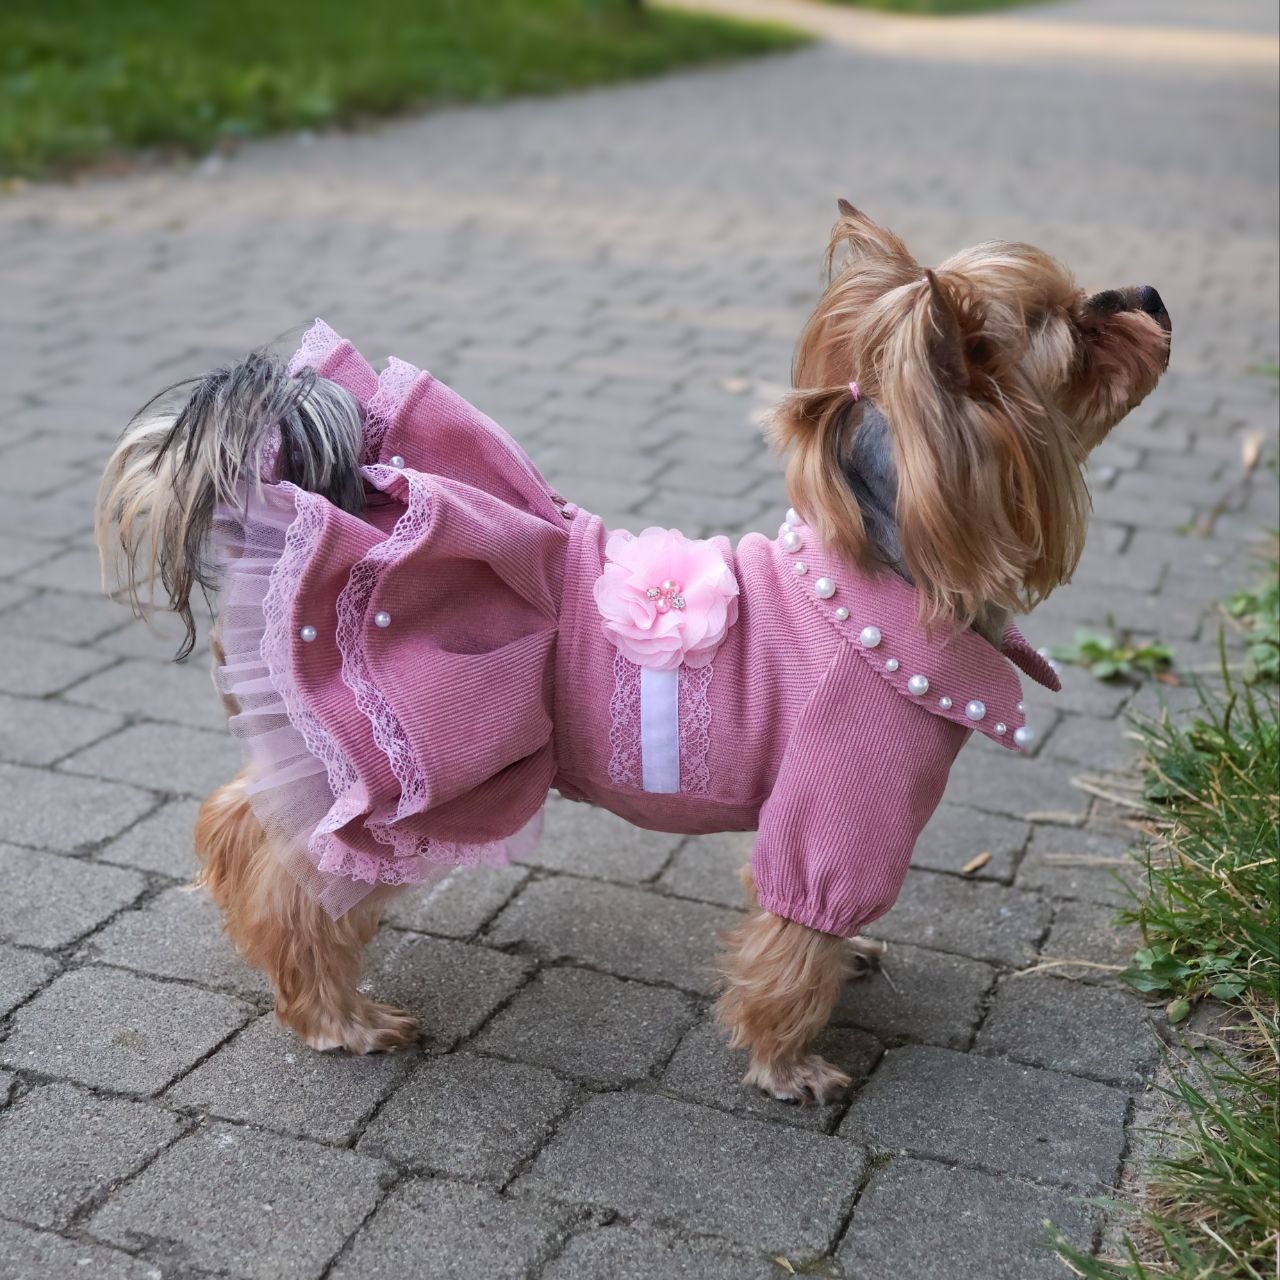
1210	918
83	81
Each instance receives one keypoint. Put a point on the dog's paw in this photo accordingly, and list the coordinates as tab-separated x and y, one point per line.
865	955
372	1028
800	1081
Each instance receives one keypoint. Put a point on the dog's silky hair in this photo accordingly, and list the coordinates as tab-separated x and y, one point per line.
200	444
996	377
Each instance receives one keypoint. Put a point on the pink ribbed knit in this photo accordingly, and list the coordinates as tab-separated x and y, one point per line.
489	678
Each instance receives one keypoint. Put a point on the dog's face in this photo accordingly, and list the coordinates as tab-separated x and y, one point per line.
997	375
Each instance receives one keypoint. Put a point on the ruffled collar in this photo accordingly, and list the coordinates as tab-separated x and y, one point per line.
955	674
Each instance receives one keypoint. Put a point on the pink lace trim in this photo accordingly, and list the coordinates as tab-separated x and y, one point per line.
695	728
318	343
394	384
277	641
353	630
626	762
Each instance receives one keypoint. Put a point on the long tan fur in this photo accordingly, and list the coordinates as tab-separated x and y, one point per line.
312	960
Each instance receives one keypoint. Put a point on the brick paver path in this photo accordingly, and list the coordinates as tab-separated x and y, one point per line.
618	277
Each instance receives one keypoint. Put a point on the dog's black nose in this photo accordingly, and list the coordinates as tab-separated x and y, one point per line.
1150	301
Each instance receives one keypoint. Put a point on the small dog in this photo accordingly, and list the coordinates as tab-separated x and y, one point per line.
418	637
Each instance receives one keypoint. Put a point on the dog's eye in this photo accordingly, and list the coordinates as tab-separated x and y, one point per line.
1106	303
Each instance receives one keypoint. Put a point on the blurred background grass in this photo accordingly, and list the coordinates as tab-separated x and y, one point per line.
85	82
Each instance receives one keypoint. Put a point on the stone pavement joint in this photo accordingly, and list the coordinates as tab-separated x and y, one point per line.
574	1111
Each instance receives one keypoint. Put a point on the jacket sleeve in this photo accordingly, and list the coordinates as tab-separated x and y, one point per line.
862	774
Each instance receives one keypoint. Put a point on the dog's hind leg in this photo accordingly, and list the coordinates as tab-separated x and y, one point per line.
312	960
780	982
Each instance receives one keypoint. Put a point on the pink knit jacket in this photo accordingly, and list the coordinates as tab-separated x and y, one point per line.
413	681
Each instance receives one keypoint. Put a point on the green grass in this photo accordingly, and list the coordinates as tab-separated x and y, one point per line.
87	81
1210	919
1111	657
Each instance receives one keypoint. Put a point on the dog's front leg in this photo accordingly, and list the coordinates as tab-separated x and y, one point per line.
781	980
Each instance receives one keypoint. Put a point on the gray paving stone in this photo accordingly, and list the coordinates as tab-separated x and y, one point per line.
469	1116
37	668
162	757
710	868
177	935
441	1229
918	994
459	905
590	1026
271	1208
1093	862
649	1254
40	731
1089	936
48	901
55	811
704	1069
68	619
985	921
76	570
955	835
118	1031
999	1116
21	973
40	1255
267	1076
594	842
1094	746
162	843
1086	1030
626	931
182	693
651	1157
1030	788
60	1147
932	1222
451	987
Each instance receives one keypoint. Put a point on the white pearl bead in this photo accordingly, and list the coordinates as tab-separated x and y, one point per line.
919	685
382	618
1021	707
397	460
842	614
869	637
945	703
975	710
891	665
792	517
1001	728
800	567
1024	736
824	588
307	633
792	541
1043	652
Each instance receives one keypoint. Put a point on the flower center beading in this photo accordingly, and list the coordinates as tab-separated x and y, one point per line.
667	596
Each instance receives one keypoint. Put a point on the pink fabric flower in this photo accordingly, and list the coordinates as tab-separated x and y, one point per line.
665	599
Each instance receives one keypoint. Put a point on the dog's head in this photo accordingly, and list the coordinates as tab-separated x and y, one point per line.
996	376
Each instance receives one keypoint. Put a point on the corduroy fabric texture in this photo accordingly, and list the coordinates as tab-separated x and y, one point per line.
449	644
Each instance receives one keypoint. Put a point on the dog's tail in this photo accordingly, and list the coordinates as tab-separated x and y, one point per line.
201	444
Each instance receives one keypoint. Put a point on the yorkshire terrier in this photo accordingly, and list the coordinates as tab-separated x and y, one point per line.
418	637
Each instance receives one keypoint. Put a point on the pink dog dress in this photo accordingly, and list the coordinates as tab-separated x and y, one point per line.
412	681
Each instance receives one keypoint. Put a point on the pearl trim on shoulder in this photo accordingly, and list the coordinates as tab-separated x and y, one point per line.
870	636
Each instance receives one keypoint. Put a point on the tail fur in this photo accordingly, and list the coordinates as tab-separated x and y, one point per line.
200	444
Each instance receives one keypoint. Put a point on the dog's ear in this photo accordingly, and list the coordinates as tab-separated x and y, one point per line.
944	337
862	238
990	498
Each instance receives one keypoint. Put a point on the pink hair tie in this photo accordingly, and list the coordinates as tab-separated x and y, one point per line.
855	391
